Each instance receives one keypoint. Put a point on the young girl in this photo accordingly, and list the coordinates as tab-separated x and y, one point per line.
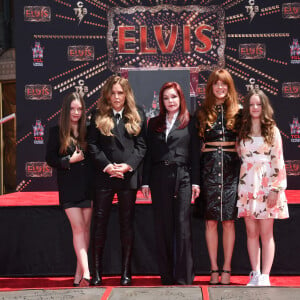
262	183
66	152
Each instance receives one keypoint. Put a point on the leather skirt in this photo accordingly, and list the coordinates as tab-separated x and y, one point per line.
219	183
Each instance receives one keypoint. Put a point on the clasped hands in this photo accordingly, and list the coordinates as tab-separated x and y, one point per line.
117	170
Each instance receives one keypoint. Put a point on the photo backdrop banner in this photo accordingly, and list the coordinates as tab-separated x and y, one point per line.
64	46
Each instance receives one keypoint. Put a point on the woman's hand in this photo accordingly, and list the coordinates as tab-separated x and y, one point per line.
123	168
195	192
114	172
146	192
272	199
77	156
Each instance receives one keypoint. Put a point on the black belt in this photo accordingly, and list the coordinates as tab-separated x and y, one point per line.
170	163
219	147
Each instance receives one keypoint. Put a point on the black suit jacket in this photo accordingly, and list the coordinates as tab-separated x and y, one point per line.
182	146
122	147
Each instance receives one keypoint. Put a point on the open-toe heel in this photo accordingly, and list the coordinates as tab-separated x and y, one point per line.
214	277
225	277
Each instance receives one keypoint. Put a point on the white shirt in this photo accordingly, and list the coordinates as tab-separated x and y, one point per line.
169	125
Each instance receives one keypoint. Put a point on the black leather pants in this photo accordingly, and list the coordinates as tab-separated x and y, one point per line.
102	208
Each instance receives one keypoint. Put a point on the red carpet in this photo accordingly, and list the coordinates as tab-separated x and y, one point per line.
51	198
7	284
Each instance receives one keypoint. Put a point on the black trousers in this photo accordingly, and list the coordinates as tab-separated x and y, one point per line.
171	198
102	207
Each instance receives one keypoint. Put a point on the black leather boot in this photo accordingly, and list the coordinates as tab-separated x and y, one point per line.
97	266
126	265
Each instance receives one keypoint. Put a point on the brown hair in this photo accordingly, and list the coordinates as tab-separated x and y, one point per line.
104	121
207	115
65	129
266	118
183	115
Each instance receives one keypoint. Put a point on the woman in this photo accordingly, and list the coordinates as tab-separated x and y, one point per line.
219	168
66	152
173	147
117	145
262	183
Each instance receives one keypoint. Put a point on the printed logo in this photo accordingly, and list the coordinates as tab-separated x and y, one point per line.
38	54
38	169
81	53
37	14
252	85
81	89
295	52
252	51
291	10
178	42
252	9
291	89
153	111
201	90
38	92
38	132
295	131
80	11
292	167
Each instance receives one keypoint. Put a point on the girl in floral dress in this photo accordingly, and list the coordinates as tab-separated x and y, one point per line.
262	183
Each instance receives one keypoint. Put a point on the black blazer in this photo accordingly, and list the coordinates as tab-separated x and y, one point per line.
122	147
75	181
182	146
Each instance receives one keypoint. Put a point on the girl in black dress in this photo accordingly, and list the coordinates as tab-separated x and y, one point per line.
66	152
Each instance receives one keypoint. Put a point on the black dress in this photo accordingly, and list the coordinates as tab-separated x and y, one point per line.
219	172
74	180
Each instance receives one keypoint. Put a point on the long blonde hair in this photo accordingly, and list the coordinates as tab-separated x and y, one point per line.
65	130
207	114
104	121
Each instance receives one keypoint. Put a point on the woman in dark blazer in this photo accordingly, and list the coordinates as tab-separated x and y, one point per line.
117	144
66	151
171	167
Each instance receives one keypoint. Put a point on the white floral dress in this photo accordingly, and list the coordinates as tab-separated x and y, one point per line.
262	170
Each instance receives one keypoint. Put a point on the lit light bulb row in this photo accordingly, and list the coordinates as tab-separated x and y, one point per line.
269	8
252	69
229	5
233	17
232	49
236	73
68	36
270	12
25	185
95	73
98	4
67	87
285	135
259	35
100	57
24	137
93	104
94	24
205	79
79	75
63	3
22	185
268	90
93	91
53	115
65	17
99	17
237	20
268	85
277	61
68	72
239	70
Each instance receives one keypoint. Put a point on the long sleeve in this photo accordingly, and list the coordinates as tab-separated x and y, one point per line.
53	158
97	154
140	144
278	177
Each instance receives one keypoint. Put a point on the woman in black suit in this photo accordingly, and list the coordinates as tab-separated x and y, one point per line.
66	152
117	145
171	166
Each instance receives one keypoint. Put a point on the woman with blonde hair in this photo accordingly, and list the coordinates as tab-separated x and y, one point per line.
262	183
117	145
220	166
66	151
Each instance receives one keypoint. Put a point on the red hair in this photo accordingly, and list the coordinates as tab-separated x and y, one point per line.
183	116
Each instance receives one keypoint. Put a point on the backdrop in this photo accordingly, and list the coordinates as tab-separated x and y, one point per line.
65	45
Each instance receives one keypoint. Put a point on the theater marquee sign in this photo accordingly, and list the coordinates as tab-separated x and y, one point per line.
166	36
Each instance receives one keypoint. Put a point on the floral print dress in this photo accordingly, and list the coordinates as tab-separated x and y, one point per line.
262	170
